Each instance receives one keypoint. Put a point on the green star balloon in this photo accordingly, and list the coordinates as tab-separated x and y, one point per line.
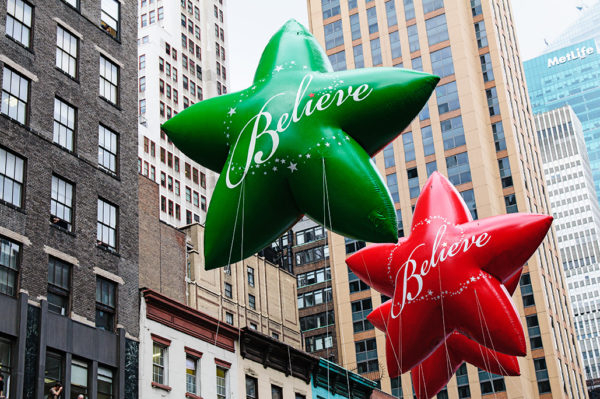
298	141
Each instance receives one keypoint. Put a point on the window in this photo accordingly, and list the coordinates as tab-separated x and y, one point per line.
250	276
229	318
400	225
142	62
413	182
61	203
79	378
353	245
18	21
6	363
476	7
441	62
376	52
486	67
356	284
15	95
469	198
491	383
228	291
352	4
105	304
392	184
390	11
191	375
409	10
505	173
395	43
459	171
66	51
397	387
432	5
159	363
109	79
372	20
144	20
424	114
314	277
533	330
312	255
492	100
105	383
360	311
388	156
59	278
498	133
276	392
366	356
334	36
541	374
107	224
309	235
447	97
409	147
9	266
318	342
526	290
359	59
107	149
109	17
64	124
338	61
413	38
221	383
330	8
462	380
437	31
417	64
252	301
12	171
427	136
453	133
313	298
510	201
251	387
253	326
317	320
55	370
481	34
355	26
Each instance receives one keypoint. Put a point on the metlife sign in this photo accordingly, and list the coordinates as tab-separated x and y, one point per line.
570	54
577	54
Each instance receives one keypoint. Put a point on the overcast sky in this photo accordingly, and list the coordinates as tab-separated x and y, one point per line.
252	22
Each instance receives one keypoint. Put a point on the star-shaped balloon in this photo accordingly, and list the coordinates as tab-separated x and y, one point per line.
298	141
433	374
446	276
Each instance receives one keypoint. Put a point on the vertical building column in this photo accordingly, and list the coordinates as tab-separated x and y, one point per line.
42	356
19	373
67	383
121	371
93	381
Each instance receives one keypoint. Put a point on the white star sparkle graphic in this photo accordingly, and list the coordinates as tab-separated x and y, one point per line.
231	111
293	167
278	68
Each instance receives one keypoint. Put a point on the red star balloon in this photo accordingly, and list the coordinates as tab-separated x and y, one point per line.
446	276
432	375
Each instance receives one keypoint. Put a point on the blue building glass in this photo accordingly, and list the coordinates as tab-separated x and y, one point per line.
569	76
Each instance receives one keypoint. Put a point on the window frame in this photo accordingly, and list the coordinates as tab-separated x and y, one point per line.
18	160
114	229
18	97
107	308
21	24
8	269
102	149
67	35
113	32
105	80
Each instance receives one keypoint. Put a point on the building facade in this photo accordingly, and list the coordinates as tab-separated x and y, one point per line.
182	59
577	223
253	293
568	76
68	203
477	129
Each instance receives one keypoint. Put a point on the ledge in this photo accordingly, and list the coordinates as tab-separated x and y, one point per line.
192	396
161	386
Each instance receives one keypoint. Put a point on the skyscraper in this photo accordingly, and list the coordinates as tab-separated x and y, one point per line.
68	209
478	130
577	224
181	60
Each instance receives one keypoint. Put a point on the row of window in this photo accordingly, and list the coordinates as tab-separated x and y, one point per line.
60	285
228	290
314	298
312	255
151	17
331	8
314	277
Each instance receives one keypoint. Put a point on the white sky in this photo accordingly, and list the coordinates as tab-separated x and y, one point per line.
252	22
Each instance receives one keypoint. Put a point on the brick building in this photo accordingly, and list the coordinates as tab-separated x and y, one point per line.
68	203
